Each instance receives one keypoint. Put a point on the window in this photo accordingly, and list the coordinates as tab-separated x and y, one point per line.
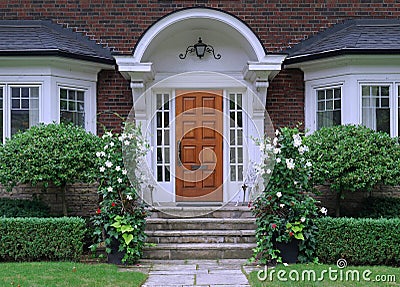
376	107
328	107
72	106
24	108
236	136
162	138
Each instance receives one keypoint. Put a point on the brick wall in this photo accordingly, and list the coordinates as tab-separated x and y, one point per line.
285	98
114	100
82	199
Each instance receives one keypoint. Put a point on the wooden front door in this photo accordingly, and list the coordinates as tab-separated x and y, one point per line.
199	124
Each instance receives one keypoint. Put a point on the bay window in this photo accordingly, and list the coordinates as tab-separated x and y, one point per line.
24	108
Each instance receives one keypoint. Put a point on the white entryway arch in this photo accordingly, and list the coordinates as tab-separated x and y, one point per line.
156	73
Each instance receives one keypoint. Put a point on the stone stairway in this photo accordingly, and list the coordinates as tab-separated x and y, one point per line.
200	233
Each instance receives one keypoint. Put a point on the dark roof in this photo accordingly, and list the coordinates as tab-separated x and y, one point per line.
44	38
369	36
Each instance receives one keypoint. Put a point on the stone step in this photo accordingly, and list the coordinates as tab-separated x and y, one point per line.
153	224
201	236
199	251
227	211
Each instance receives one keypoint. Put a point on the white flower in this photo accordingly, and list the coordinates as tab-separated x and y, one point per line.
275	141
268	171
124	172
290	163
278	160
108	163
302	219
107	135
117	168
129	197
102	153
297	140
98	154
324	211
126	142
279	194
109	189
277	132
102	169
295	182
277	150
119	180
131	136
308	164
111	144
105	147
282	205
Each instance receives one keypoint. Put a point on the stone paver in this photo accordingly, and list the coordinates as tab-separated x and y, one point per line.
194	273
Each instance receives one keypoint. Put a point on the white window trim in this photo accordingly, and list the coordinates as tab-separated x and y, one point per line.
321	88
7	103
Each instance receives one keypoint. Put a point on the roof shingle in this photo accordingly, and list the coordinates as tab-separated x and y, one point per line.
373	36
40	37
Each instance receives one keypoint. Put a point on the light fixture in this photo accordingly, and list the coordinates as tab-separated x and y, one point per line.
200	48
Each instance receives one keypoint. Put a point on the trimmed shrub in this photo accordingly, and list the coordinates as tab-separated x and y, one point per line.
378	207
35	239
50	153
353	158
361	241
23	208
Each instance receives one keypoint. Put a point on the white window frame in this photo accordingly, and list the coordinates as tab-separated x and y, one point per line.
324	88
7	103
85	101
391	102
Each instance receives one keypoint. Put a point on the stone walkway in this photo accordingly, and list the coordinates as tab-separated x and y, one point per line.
201	273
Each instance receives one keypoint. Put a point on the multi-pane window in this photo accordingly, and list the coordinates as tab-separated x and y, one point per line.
163	115
236	136
376	107
328	107
24	108
72	106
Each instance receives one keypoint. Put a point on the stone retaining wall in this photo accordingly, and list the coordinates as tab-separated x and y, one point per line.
82	199
353	201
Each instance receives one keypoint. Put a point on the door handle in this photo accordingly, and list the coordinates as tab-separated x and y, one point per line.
179	152
199	167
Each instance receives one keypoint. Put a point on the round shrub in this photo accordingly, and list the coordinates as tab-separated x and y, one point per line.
49	153
353	158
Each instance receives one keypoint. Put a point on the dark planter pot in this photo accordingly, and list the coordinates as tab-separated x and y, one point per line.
288	251
115	256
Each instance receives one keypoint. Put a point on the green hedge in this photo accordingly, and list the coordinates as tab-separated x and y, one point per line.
23	208
377	207
35	239
362	241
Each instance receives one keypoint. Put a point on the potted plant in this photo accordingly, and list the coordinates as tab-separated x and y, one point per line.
120	219
284	211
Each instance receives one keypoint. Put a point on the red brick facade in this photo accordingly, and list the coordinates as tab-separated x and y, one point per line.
118	24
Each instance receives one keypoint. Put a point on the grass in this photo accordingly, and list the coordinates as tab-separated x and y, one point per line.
382	271
63	274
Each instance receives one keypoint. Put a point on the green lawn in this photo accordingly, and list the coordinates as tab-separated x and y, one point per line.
49	274
323	271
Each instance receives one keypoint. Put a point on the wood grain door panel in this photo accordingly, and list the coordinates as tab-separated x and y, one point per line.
199	124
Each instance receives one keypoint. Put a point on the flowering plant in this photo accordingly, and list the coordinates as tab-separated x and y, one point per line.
284	211
121	215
